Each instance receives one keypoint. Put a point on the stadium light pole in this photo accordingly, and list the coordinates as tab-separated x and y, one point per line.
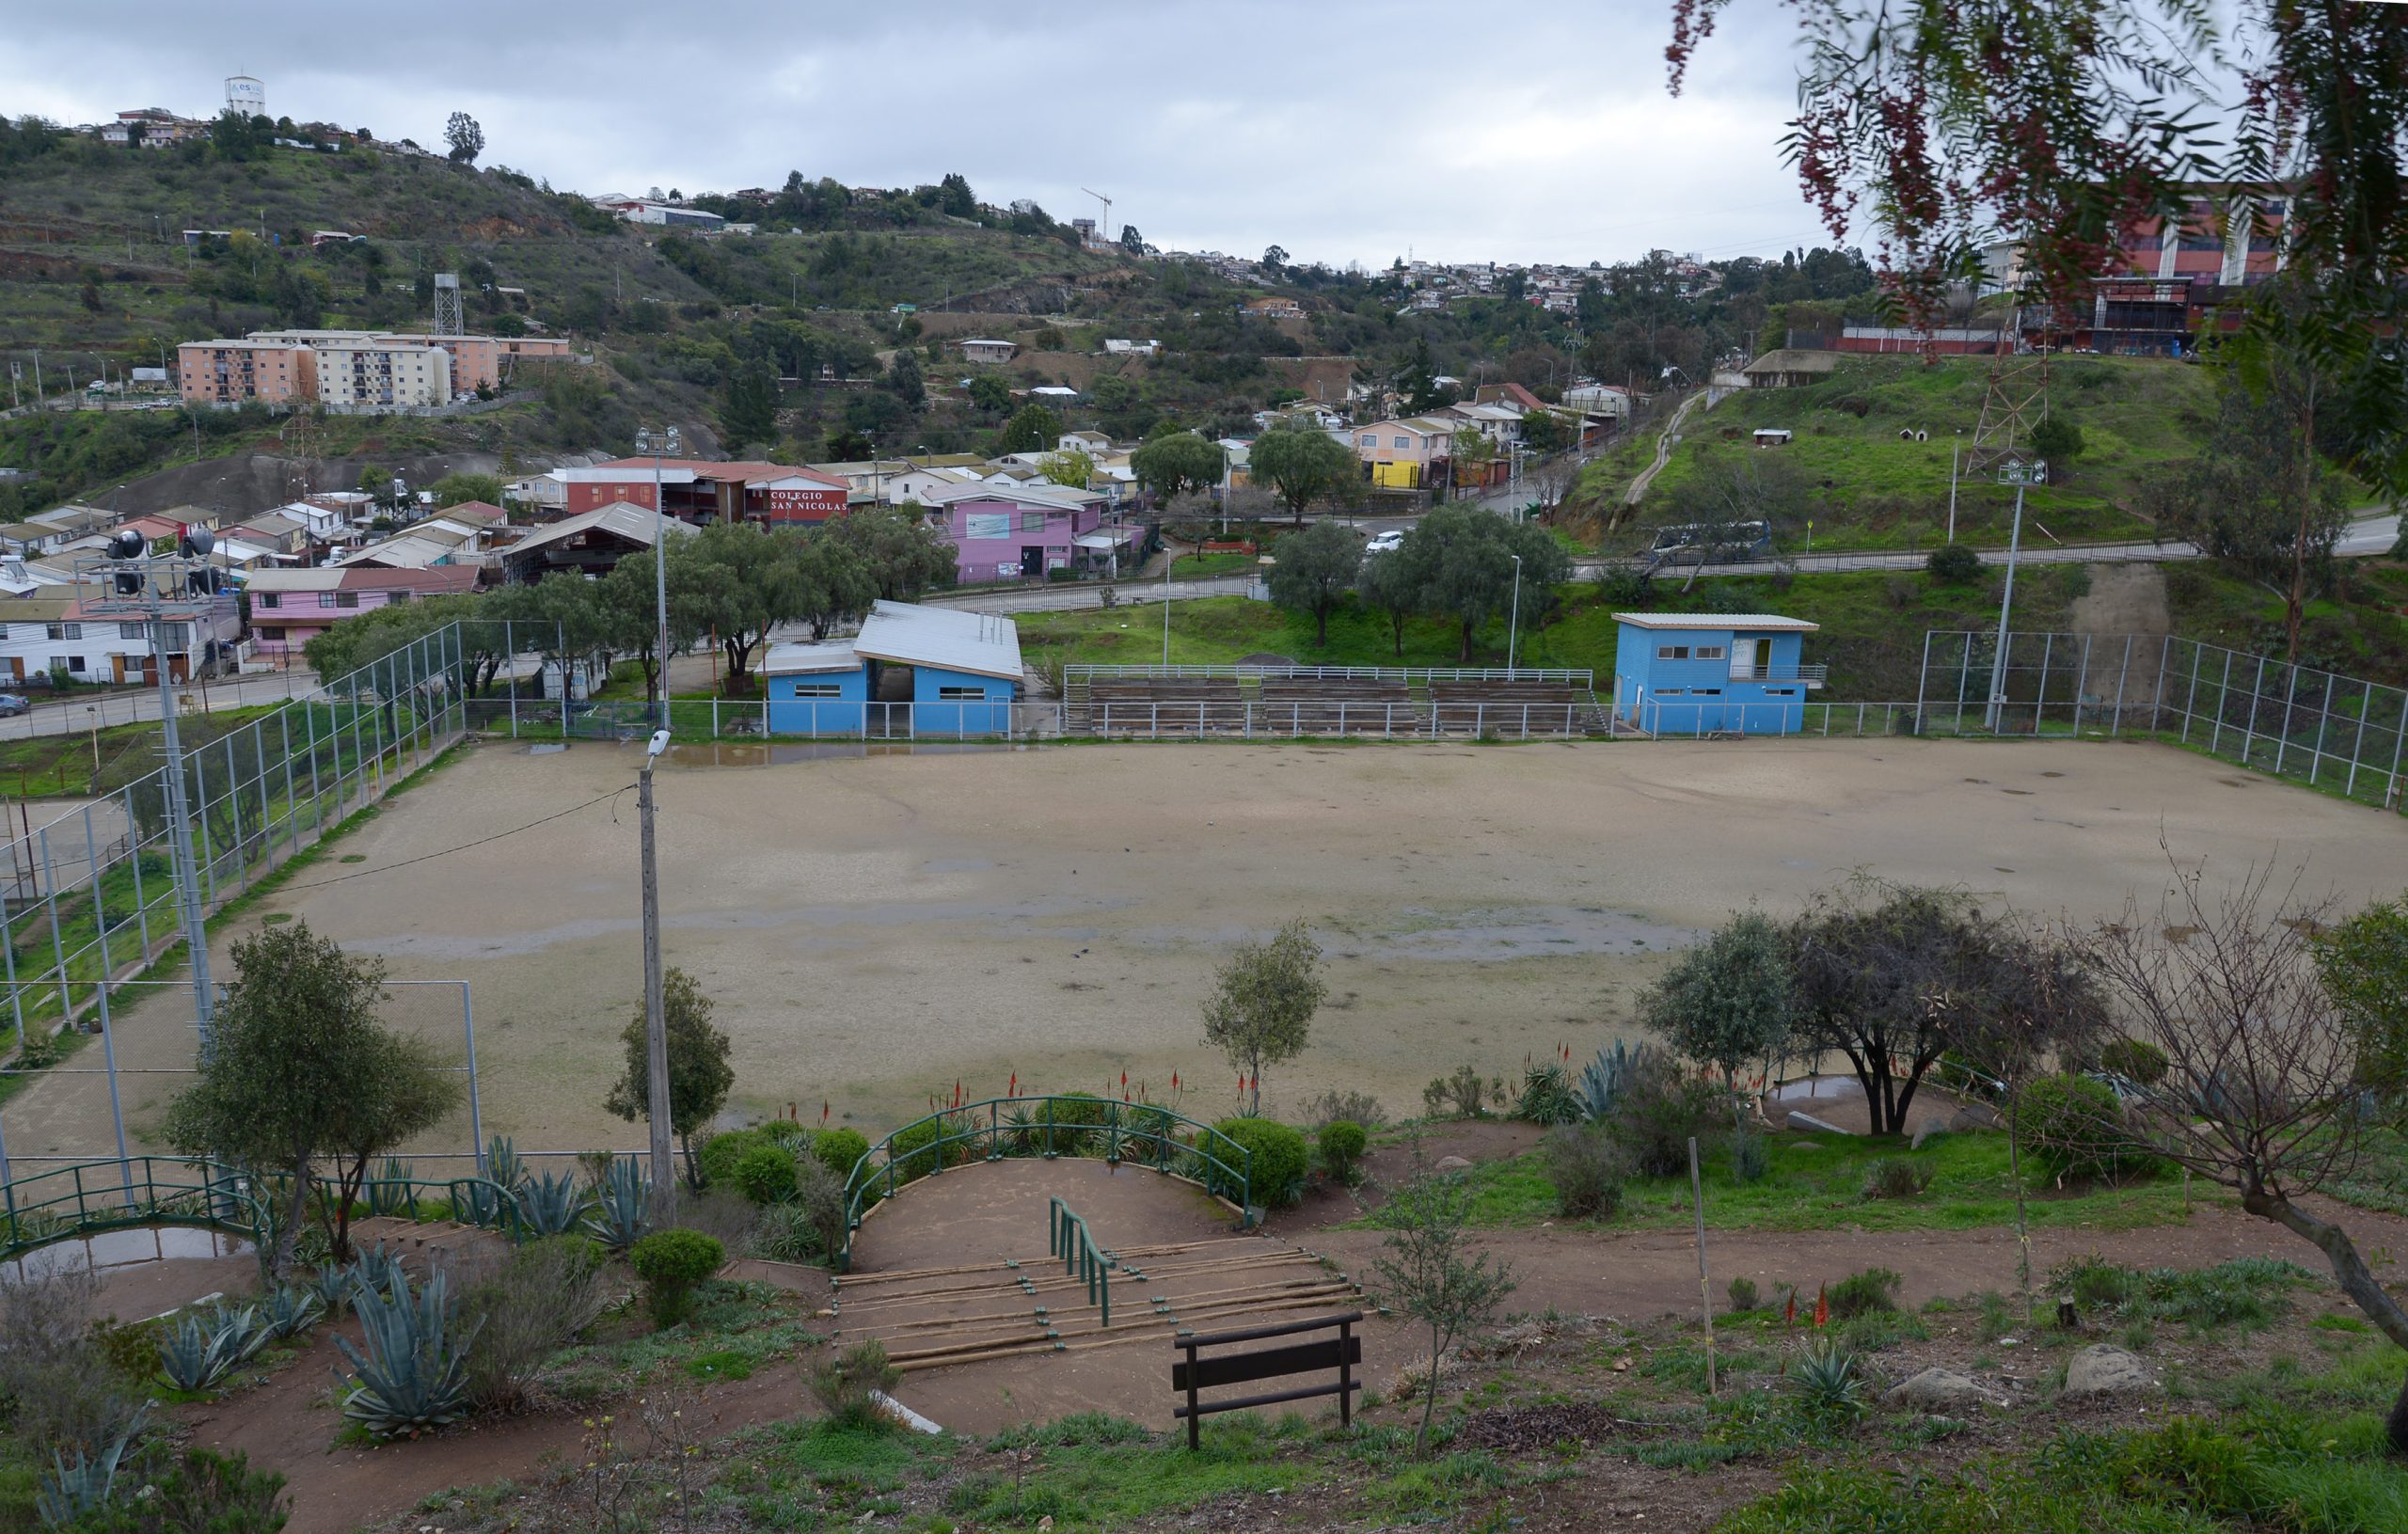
2022	476
1513	625
660	444
655	1009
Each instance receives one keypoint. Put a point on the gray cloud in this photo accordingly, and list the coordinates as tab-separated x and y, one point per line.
1344	131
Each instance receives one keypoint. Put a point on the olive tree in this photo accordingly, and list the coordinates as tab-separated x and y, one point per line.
1262	1003
1313	570
301	1070
1727	1001
699	1074
1301	465
1432	1268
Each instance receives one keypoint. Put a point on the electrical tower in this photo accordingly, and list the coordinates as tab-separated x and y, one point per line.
447	304
2013	406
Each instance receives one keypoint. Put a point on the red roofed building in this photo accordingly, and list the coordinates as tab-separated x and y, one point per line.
699	491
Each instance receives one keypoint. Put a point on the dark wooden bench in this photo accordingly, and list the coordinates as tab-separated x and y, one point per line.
1342	1353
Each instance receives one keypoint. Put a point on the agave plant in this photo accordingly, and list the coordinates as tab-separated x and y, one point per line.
376	1270
199	1353
1828	1382
69	1491
552	1205
414	1374
1548	1097
1604	1079
390	1192
620	1205
503	1163
291	1308
331	1288
1020	1135
244	1329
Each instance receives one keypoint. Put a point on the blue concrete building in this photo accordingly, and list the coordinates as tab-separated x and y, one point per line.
964	667
1681	673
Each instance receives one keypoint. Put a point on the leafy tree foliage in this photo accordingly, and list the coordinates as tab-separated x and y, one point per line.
458	487
699	1073
1313	570
467	141
1727	1001
1432	1268
748	413
1390	585
1461	562
1301	465
1033	428
989	393
1263	1000
1071	468
1174	462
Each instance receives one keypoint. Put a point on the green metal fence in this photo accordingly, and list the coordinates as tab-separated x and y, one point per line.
1045	1127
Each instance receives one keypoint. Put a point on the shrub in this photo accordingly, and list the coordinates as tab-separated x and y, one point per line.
1743	1294
1862	1293
722	1213
1353	1107
915	1153
788	1131
844	1385
1830	1385
672	1263
2135	1060
1463	1095
1587	1170
1341	1145
1657	1110
809	1226
412	1373
1897	1177
765	1173
1953	564
1275	1175
839	1150
1750	1157
1546	1096
526	1307
2077	1131
718	1155
205	1489
57	1390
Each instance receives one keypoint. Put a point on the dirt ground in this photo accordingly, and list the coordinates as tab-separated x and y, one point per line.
874	931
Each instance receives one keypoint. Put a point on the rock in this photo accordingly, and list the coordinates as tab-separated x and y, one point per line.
1808	1122
1972	1116
1924	1132
1453	1163
2104	1369
1937	1390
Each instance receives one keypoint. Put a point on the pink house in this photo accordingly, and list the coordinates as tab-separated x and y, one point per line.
1007	532
289	608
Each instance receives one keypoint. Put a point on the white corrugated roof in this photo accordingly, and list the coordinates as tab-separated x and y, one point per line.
620	518
1716	620
788	660
983	643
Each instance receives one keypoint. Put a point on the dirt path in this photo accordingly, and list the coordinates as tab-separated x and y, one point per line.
1665	442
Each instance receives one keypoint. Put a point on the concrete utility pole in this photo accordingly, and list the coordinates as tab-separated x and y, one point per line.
655	1009
2021	476
1513	625
660	444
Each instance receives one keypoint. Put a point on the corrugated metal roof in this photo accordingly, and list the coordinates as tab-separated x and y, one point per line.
789	659
1716	620
983	643
620	518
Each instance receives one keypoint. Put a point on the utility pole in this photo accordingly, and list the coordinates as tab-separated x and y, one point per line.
1952	482
660	444
2021	474
655	1009
1513	625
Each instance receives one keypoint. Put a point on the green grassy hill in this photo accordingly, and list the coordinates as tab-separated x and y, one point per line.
1865	486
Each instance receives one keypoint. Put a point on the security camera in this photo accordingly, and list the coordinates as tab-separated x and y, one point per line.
660	744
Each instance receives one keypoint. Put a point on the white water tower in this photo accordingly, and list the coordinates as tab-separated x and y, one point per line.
247	95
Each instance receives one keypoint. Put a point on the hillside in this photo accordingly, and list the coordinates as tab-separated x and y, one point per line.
1848	469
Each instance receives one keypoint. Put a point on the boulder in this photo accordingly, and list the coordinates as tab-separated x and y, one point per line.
1453	1163
1808	1122
1972	1116
1937	1390
2104	1369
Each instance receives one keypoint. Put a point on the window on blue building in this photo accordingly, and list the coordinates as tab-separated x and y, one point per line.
961	695
1671	652
818	689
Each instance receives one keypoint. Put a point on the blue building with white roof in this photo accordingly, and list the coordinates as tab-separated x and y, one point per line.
965	677
1702	674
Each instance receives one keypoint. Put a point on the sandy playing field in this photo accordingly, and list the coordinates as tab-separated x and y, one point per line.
874	929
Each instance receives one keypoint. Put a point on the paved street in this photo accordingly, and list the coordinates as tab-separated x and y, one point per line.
83	711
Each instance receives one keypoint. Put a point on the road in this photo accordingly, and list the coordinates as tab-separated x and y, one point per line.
78	712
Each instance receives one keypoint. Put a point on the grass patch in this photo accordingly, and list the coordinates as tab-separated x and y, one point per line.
736	1329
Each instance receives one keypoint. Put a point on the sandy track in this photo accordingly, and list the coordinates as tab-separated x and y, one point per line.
874	929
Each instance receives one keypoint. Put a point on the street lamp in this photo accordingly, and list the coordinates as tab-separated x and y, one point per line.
656	1010
660	444
2022	476
1513	625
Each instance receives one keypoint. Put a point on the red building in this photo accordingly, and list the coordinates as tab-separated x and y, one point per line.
699	491
2173	275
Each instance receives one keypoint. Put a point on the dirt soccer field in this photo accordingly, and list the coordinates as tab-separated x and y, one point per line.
876	929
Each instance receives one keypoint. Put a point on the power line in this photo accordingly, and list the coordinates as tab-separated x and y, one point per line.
465	846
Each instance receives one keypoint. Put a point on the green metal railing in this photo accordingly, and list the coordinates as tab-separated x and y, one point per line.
1068	1238
1001	1128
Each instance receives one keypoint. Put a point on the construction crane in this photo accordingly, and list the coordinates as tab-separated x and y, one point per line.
1107	210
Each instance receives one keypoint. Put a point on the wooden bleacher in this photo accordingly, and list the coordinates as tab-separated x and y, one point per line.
1164	706
1510	709
1307	706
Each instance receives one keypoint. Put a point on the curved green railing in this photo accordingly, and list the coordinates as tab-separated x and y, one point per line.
1067	1237
1046	1128
90	1199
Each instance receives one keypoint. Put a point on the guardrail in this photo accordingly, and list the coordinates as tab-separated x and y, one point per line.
1068	1239
1811	675
1043	1127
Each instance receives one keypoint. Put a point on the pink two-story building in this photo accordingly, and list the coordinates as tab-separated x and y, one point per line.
1003	531
289	608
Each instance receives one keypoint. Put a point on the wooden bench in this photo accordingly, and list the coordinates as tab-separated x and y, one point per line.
1342	1353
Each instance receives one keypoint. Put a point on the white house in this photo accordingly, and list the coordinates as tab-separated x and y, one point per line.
979	349
50	632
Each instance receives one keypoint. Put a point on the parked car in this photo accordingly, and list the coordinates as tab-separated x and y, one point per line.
1385	543
13	704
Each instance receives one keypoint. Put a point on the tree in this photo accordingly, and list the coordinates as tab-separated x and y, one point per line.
458	487
903	377
1464	558
828	581
989	393
2364	964
1432	1268
1069	467
1389	585
748	411
1177	462
1302	465
1313	570
848	447
954	195
2261	500
1274	257
2058	442
1726	1001
1417	380
904	556
1469	444
301	1069
1033	428
467	139
1894	977
2265	1090
627	606
699	1073
1131	241
736	580
1262	1003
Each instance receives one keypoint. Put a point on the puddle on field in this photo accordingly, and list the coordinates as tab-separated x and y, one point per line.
746	753
124	1249
1809	1089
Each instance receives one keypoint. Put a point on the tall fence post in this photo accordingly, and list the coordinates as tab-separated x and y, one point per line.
2123	676
2191	698
2358	739
109	1033
2290	692
50	908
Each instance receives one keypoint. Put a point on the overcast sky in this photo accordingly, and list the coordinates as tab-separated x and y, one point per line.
1343	129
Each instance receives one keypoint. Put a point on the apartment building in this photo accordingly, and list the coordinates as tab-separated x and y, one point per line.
240	371
282	367
380	374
